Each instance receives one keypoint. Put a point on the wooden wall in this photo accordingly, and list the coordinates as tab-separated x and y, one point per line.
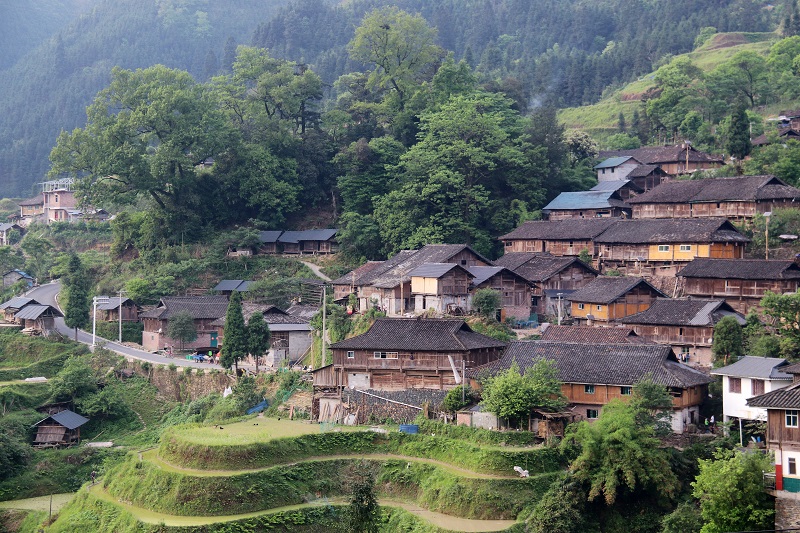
777	431
741	294
607	212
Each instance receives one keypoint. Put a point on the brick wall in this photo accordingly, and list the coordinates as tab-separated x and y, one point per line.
787	513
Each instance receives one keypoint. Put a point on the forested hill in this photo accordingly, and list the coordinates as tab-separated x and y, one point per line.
561	51
48	90
565	50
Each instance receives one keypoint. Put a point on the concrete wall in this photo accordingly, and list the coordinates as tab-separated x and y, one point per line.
734	405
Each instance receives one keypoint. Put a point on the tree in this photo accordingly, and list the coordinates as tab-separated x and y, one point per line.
618	455
76	311
784	312
739	144
180	327
685	519
562	509
234	346
73	381
399	45
727	340
511	394
363	510
458	398
730	488
653	405
14	455
486	302
259	337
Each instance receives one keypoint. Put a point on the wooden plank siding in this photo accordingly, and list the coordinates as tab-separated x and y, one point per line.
554	247
673	253
576	393
741	294
737	210
608	212
635	301
777	432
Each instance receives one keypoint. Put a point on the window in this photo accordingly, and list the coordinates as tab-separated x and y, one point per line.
580	306
588	389
680	332
663	247
686	247
626	391
791	418
385	355
599	307
792	466
591	414
463	262
758	386
351	355
735	385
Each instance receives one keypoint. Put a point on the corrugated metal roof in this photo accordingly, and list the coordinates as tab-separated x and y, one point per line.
307	235
113	303
33	311
585	200
482	273
615	185
269	236
755	367
17	302
228	285
66	418
612	162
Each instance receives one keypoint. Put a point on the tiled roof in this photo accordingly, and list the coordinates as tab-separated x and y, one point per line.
653	155
419	334
200	307
307	235
612	162
269	236
590	335
785	131
786	398
623	364
740	269
615	185
755	367
433	270
272	315
112	303
690	312
738	189
354	276
303	311
400	267
34	311
563	230
606	289
17	302
668	230
483	274
642	171
585	200
36	200
536	267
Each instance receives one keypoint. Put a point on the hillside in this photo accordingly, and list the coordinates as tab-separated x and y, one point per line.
600	119
566	52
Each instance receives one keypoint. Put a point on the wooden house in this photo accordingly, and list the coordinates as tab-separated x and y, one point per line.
746	378
549	275
674	160
59	430
594	374
37	318
782	135
616	168
739	198
686	325
31	209
560	237
387	284
203	309
10	307
647	177
783	432
624	188
269	241
516	292
312	241
14	276
611	298
442	287
662	246
110	311
402	353
741	282
590	334
587	204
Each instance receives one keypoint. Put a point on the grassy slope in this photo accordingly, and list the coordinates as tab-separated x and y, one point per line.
600	119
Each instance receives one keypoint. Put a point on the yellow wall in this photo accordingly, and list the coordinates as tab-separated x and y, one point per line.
590	309
676	254
420	285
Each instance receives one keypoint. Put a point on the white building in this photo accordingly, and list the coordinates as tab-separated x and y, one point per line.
748	377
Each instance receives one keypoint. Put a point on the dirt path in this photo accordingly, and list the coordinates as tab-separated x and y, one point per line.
153	457
316	270
440	520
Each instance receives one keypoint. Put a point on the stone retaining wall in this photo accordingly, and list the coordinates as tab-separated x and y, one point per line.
373	407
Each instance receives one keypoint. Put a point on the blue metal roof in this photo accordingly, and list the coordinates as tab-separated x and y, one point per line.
612	162
269	236
482	273
307	235
432	270
584	200
611	186
67	418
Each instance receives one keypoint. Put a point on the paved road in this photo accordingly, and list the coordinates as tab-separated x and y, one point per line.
46	294
316	270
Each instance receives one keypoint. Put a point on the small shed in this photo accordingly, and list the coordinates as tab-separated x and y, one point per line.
476	417
548	424
10	307
59	429
38	318
13	276
109	311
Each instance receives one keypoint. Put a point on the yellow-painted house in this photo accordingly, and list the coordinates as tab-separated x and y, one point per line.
609	298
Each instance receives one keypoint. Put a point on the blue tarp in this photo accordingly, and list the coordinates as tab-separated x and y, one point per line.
258	407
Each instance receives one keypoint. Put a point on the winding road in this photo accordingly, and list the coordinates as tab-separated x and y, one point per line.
47	294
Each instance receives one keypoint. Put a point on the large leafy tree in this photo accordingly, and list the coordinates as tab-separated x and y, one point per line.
147	132
511	394
74	381
234	345
181	328
259	337
728	341
730	488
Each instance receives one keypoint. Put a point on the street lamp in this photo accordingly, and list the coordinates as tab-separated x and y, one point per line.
766	234
119	311
96	300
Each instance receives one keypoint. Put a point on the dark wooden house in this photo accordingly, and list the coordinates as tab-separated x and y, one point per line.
10	307
607	299
781	135
37	318
387	284
269	241
590	335
663	246
740	198
741	282
587	204
685	325
647	177
550	276
516	292
312	241
203	309
594	374
110	311
559	237
441	287
59	430
402	353
674	160
624	188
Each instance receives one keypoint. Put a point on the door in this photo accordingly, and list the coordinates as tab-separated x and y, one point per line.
213	341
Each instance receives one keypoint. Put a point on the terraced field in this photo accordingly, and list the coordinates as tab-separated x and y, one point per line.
290	476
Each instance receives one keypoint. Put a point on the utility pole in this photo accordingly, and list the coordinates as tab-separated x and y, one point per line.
96	300
324	319
767	215
120	316
560	295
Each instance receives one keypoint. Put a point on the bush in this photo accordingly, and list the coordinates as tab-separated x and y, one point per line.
454	402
